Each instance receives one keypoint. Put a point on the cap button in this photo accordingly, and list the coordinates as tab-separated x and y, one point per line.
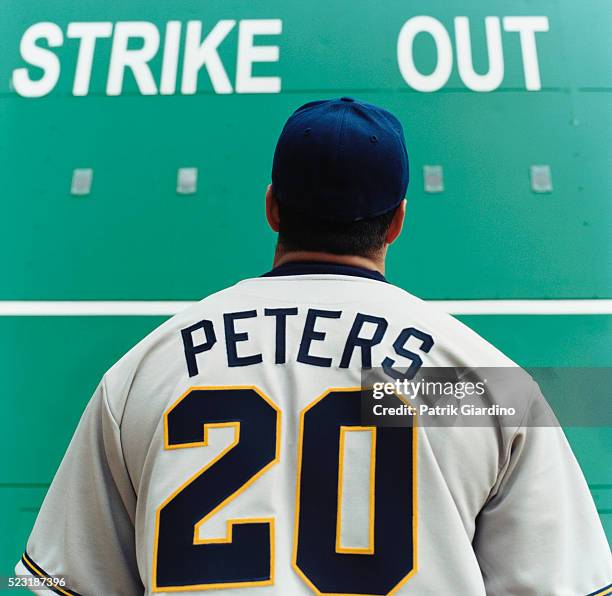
346	99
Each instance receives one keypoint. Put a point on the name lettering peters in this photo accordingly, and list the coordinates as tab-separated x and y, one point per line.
202	337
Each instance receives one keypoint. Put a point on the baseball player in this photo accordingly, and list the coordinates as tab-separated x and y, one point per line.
225	453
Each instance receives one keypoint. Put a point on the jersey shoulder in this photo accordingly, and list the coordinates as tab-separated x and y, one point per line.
456	338
161	345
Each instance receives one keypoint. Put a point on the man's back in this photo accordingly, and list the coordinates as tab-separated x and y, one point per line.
226	450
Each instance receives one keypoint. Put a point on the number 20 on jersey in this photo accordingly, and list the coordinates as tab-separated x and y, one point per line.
244	557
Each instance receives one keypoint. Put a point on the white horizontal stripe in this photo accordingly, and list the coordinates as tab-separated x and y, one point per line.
94	308
91	308
525	307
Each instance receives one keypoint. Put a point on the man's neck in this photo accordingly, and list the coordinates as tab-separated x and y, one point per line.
371	263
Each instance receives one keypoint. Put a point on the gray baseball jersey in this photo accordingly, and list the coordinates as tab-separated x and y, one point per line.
225	454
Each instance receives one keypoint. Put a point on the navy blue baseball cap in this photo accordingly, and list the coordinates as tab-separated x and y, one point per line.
341	160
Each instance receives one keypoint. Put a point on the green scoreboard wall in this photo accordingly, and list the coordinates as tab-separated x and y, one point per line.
127	90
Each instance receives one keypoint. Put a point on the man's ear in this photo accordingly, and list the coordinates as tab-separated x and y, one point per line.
396	223
272	214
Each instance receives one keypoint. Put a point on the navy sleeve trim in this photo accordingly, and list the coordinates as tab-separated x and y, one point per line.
602	591
38	571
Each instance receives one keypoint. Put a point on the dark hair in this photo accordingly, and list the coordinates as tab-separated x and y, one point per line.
300	231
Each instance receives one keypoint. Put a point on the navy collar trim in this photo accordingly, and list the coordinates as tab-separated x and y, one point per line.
317	267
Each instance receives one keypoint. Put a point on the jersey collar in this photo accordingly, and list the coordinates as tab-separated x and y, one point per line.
316	267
